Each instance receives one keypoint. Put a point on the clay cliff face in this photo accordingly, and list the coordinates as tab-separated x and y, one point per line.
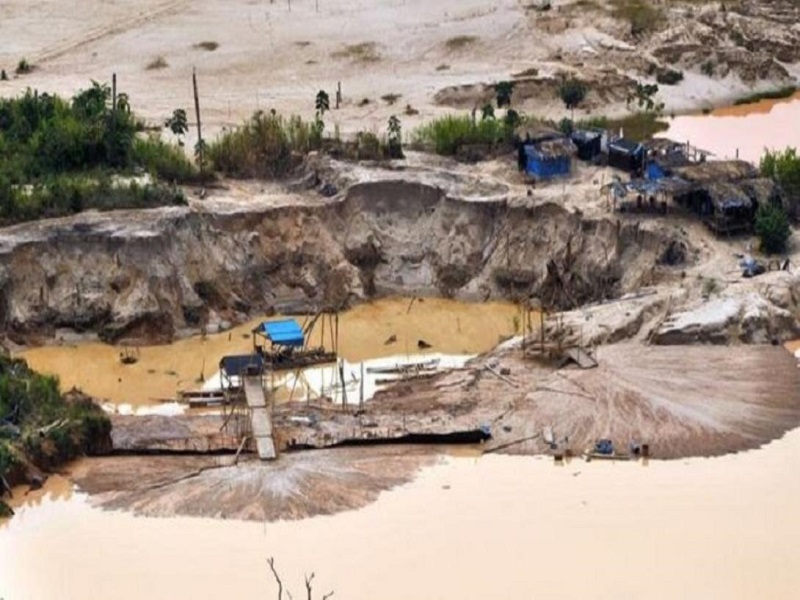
149	275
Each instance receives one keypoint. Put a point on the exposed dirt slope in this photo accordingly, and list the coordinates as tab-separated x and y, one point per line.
150	274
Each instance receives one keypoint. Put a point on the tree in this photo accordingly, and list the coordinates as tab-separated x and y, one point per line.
772	228
572	91
512	119
178	124
322	102
644	97
784	168
503	91
395	137
487	112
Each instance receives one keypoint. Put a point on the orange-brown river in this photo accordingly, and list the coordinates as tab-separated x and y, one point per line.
494	527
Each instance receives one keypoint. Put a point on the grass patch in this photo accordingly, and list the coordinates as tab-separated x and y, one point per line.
268	145
460	42
410	110
364	52
447	134
364	102
443	67
164	161
642	16
391	98
207	46
777	94
159	62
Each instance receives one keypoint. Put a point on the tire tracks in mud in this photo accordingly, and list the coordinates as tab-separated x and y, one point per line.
97	34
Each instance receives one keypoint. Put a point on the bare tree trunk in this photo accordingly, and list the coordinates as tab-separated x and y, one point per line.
271	563
309	579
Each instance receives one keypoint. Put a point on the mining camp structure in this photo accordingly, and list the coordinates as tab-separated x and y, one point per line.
247	380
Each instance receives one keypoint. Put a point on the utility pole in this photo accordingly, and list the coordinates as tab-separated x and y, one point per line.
200	145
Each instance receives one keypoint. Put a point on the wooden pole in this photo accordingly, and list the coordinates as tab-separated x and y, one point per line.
201	150
541	328
341	377
361	388
338	93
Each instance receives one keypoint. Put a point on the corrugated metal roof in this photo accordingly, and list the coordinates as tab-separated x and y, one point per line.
286	332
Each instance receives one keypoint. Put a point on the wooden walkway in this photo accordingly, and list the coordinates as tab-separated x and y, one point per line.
261	418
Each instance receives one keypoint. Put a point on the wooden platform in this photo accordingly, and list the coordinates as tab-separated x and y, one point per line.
260	417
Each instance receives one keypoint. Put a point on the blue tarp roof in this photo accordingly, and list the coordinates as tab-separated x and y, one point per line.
286	332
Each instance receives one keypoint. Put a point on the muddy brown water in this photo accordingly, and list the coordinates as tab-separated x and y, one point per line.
494	527
449	326
748	128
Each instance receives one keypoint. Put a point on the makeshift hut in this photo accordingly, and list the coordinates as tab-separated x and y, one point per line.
718	170
589	143
724	206
550	158
626	155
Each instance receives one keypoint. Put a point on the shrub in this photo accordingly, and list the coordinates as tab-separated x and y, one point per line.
163	160
572	92
707	68
447	134
265	146
368	146
23	66
784	168
772	228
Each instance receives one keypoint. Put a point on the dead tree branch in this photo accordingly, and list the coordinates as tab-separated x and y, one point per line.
309	579
271	563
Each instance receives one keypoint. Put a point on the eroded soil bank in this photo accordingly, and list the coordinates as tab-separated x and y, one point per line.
424	230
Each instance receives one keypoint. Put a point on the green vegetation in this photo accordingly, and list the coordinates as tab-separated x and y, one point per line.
777	94
395	137
58	157
644	96
572	92
23	67
642	16
36	419
707	68
772	228
447	134
784	168
503	91
268	145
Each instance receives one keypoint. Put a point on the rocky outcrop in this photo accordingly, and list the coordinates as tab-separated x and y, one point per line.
750	318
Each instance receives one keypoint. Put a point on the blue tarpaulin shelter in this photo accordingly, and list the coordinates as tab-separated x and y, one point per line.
549	158
286	332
